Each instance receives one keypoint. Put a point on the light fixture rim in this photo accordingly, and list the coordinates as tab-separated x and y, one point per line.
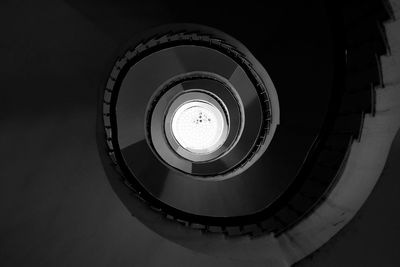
190	96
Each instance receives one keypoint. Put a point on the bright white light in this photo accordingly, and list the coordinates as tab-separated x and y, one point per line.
198	126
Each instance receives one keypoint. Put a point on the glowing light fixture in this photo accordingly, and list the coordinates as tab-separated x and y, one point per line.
199	127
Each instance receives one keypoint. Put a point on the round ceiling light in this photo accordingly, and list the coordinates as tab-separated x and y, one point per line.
199	127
